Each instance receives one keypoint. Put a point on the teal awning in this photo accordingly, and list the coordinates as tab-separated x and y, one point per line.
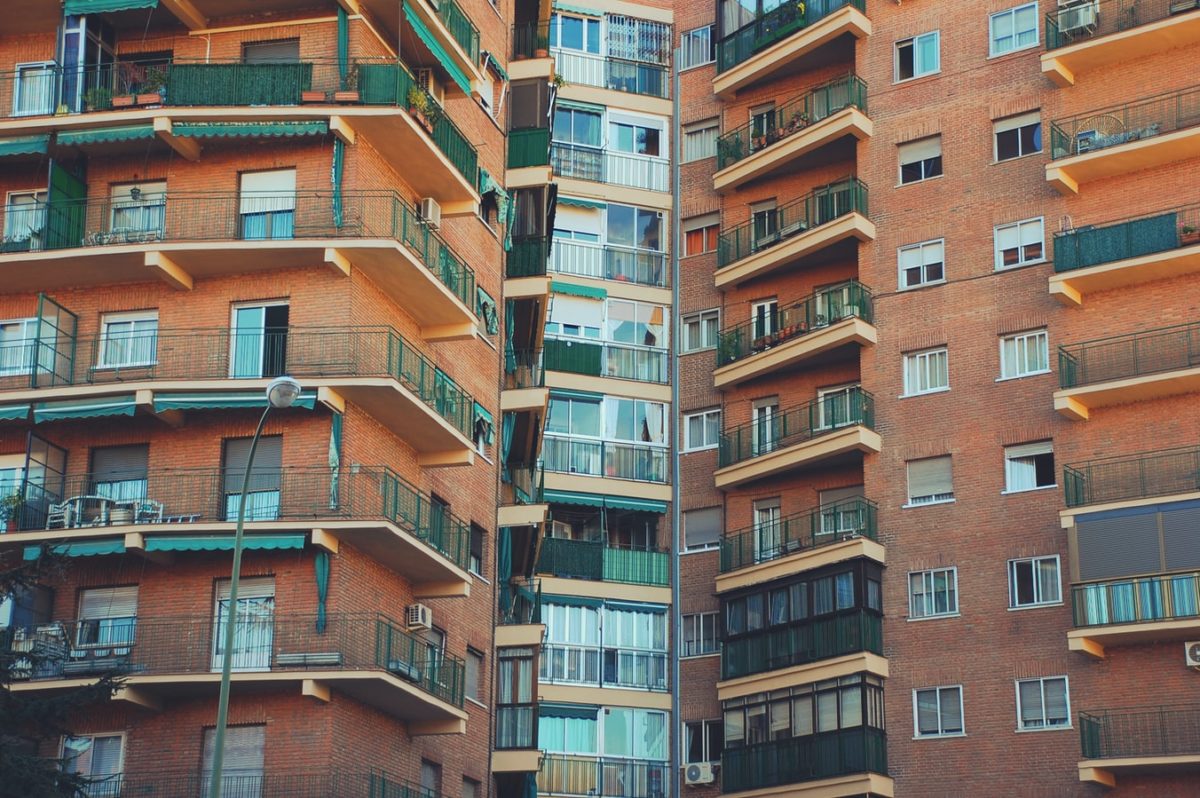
24	145
547	709
429	40
105	135
82	548
609	502
573	601
84	408
223	542
581	203
626	503
224	401
101	6
563	393
250	130
559	287
635	606
14	412
579	106
573	9
494	63
570	497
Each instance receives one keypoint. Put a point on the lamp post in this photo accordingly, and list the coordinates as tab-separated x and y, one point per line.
281	392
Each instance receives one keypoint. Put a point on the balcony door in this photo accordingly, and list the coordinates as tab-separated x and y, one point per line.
253	626
267	205
263	489
242	769
765	316
258	342
837	407
765	427
107	619
33	89
768	530
841	516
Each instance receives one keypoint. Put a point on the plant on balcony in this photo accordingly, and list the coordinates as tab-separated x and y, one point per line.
10	511
559	81
153	86
423	108
97	99
1188	235
125	79
348	94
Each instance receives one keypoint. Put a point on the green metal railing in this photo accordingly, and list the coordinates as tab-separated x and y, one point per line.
825	307
787	428
774	25
606	359
1136	476
614	459
529	147
1140	732
800	532
821	206
801	643
349	784
525	370
799	759
524	603
609	778
1119	124
531	40
528	257
586	559
528	481
1080	22
1134	237
1131	355
791	117
460	26
1137	600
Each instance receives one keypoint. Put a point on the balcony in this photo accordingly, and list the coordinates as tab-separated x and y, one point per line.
595	560
1123	139
607	459
1127	368
614	74
827	326
824	431
1131	611
812	765
180	238
852	632
445	37
530	40
588	777
784	38
367	657
515	747
525	383
1132	479
606	359
349	784
599	165
799	127
824	224
1087	36
529	147
1125	253
610	262
593	666
1155	741
191	509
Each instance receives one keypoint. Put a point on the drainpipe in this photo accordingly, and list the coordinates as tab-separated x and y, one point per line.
676	515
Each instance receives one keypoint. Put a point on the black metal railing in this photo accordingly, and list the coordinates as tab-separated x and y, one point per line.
1132	355
1136	732
824	526
367	784
799	759
1134	476
526	480
531	40
797	425
523	605
1121	124
800	643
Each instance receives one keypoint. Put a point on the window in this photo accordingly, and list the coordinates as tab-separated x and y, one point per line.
575	33
475	563
138	211
18	345
638	323
1034	581
938	711
700	240
1020	243
283	51
474	672
926	372
119	473
701	430
634	420
268	204
573	417
844	703
700	140
700	330
243	763
262	500
633	227
764	317
1018	135
703	741
917	56
1024	354
920	160
35	88
431	777
1029	466
107	616
128	339
701	529
470	786
697	46
922	264
576	126
98	757
930	481
933	593
259	340
638	139
699	634
1043	703
1014	29
24	217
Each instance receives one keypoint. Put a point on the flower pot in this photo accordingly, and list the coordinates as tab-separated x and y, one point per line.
541	52
10	525
346	96
123	101
150	98
120	515
312	96
1187	239
422	120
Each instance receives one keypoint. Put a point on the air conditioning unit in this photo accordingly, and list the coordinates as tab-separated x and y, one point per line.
430	212
698	773
419	616
1079	18
428	81
560	529
1191	653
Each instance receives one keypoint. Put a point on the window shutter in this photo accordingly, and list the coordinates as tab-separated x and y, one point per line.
243	751
1056	698
929	477
830	497
264	192
1028	450
702	527
1008	237
120	463
253	587
108	602
1014	122
921	150
284	52
573	310
268	460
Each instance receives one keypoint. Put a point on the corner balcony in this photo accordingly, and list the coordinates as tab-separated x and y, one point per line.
529	257
613	74
528	147
606	459
1123	139
611	262
835	764
1124	253
853	632
514	749
1127	368
525	388
519	619
1138	741
588	777
1132	611
612	167
595	667
829	325
823	432
785	38
367	657
799	127
181	238
1132	480
1087	36
606	359
822	225
597	561
445	37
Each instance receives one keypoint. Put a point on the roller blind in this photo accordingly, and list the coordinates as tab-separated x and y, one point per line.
253	587
267	462
929	477
243	751
264	192
120	463
1124	545
574	310
108	602
921	150
1014	122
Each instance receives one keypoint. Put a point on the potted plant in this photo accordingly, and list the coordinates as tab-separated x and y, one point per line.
558	80
97	99
10	511
421	106
151	90
312	96
126	98
349	94
1189	234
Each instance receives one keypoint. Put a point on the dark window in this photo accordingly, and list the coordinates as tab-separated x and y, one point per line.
1019	141
477	537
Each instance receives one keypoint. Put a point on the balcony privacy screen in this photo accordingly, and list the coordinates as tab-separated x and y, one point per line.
1085	247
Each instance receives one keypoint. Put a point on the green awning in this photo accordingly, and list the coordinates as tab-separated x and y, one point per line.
250	130
576	105
105	135
82	548
72	7
482	416
572	9
84	408
224	401
547	709
626	503
571	497
223	542
559	287
581	203
24	145
494	63
429	40
573	601
14	412
609	502
587	396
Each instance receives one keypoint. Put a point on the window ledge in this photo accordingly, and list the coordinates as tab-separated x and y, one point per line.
922	285
939	736
922	180
998	161
699	449
1068	727
1015	51
706	550
1018	266
1023	376
1028	490
924	393
926	504
1024	607
476	703
941	617
699	656
915	78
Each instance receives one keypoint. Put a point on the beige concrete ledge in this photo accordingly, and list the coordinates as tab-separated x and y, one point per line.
529	177
872	784
806	560
1077	403
1067	517
603	696
525	634
531	69
1105	771
1070	288
623	100
863	661
613	386
1094	639
522	514
516	761
620	591
796	351
610	192
794	249
1064	64
526	287
1067	175
516	400
838	442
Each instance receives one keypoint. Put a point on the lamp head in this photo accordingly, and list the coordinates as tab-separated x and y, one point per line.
282	391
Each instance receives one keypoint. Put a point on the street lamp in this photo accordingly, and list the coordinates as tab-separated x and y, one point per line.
281	392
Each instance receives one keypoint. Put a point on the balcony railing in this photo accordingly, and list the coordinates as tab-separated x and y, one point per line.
369	784
1119	124
614	459
801	643
461	27
521	604
186	496
616	74
1129	238
527	481
1135	476
606	359
610	262
821	206
524	369
587	559
528	257
1080	22
800	532
531	40
1142	600
809	420
607	777
1140	732
790	118
1132	355
268	642
772	26
599	165
516	727
798	759
603	667
825	307
529	147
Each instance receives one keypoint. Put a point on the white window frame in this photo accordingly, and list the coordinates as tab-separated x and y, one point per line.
102	356
1012	13
26	351
913	41
697	620
47	77
715	544
937	691
930	611
14	212
1016	123
1039	599
704	725
99	786
685	40
1018	338
688	444
921	360
905	156
699	317
922	247
1021	452
932	499
1021	727
1037	223
704	126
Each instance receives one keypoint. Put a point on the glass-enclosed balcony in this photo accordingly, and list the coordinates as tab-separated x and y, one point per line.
766	542
614	74
1132	477
597	560
613	459
529	257
814	757
610	262
1140	600
606	359
594	666
1132	741
606	777
529	147
799	644
601	165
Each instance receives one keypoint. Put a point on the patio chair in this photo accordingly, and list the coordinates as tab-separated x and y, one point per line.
60	515
148	512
